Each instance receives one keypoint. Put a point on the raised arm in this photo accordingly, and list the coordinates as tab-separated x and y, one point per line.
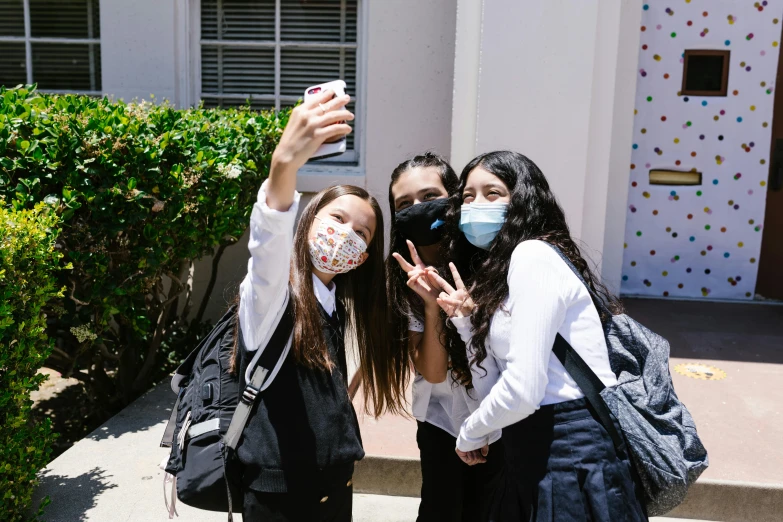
311	124
426	347
272	220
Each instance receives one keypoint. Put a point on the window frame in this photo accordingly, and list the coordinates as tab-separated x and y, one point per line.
29	40
348	168
724	86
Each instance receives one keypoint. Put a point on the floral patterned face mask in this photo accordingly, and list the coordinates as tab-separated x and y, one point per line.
335	248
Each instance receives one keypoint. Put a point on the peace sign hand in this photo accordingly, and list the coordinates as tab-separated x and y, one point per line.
418	276
455	302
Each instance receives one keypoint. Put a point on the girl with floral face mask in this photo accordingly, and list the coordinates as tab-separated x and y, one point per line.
302	439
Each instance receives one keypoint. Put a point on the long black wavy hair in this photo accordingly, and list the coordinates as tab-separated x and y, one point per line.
403	300
533	213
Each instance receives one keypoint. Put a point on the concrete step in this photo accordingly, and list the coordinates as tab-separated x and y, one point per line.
709	499
112	474
382	508
738	415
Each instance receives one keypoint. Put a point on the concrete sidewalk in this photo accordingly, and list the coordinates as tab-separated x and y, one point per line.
738	416
113	473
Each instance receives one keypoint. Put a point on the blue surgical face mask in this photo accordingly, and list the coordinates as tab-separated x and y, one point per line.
481	222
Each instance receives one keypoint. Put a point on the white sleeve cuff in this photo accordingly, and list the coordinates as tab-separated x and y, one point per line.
465	443
464	328
277	221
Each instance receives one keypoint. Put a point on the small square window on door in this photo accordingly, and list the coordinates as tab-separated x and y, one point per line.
705	73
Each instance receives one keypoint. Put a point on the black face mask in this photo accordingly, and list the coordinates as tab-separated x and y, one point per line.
423	223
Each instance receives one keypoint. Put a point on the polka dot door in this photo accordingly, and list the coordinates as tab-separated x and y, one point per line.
703	240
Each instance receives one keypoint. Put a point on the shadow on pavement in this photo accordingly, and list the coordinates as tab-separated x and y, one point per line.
73	497
718	331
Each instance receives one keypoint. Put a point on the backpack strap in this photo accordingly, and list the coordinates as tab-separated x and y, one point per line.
276	348
590	385
168	435
580	371
597	301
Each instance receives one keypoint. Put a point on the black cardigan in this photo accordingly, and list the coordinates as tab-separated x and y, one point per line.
303	431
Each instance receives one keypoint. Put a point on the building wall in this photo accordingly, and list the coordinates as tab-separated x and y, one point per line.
701	241
553	85
138	55
409	65
410	70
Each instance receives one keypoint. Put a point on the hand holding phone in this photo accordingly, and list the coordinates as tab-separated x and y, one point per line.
337	145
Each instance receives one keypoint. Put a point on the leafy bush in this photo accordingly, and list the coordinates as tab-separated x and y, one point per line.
28	264
143	190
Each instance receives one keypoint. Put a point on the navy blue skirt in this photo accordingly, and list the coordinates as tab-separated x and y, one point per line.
561	465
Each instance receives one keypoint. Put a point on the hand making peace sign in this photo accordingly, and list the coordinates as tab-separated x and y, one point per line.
418	276
456	303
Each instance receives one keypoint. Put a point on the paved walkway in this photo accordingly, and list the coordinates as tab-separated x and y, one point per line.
739	417
113	473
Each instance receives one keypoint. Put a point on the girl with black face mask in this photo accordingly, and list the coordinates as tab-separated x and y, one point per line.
443	394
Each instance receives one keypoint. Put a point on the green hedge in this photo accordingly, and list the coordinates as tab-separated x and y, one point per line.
143	190
28	264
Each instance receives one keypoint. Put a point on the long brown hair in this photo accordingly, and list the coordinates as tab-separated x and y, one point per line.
533	213
383	370
402	300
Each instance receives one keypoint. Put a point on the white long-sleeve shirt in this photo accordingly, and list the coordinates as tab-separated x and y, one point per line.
545	298
264	291
447	404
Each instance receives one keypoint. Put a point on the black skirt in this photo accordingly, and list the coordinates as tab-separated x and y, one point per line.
561	465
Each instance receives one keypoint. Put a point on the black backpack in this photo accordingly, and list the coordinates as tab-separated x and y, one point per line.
210	414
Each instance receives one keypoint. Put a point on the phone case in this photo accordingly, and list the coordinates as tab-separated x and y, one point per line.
328	150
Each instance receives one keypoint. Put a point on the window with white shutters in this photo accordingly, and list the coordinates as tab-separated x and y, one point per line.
54	43
267	52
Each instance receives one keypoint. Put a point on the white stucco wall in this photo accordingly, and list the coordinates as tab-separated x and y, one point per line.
138	49
701	241
553	85
410	68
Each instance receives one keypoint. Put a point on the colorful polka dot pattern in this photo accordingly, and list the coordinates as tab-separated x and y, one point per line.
701	241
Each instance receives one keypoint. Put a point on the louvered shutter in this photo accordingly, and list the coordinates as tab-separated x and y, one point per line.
242	58
11	18
64	37
13	68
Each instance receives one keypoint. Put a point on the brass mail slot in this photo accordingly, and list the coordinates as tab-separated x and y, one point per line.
674	177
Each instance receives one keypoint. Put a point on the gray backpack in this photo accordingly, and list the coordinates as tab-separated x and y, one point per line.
656	427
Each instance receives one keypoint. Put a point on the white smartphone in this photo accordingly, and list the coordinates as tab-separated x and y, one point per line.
337	146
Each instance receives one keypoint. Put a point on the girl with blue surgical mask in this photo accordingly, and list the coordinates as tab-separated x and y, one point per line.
517	295
443	394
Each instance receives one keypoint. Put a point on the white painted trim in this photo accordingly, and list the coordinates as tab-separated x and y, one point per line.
69	91
182	74
360	123
278	52
91	34
467	69
195	53
41	39
268	44
28	47
315	180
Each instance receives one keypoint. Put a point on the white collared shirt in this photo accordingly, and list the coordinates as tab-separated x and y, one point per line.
264	291
325	295
447	404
